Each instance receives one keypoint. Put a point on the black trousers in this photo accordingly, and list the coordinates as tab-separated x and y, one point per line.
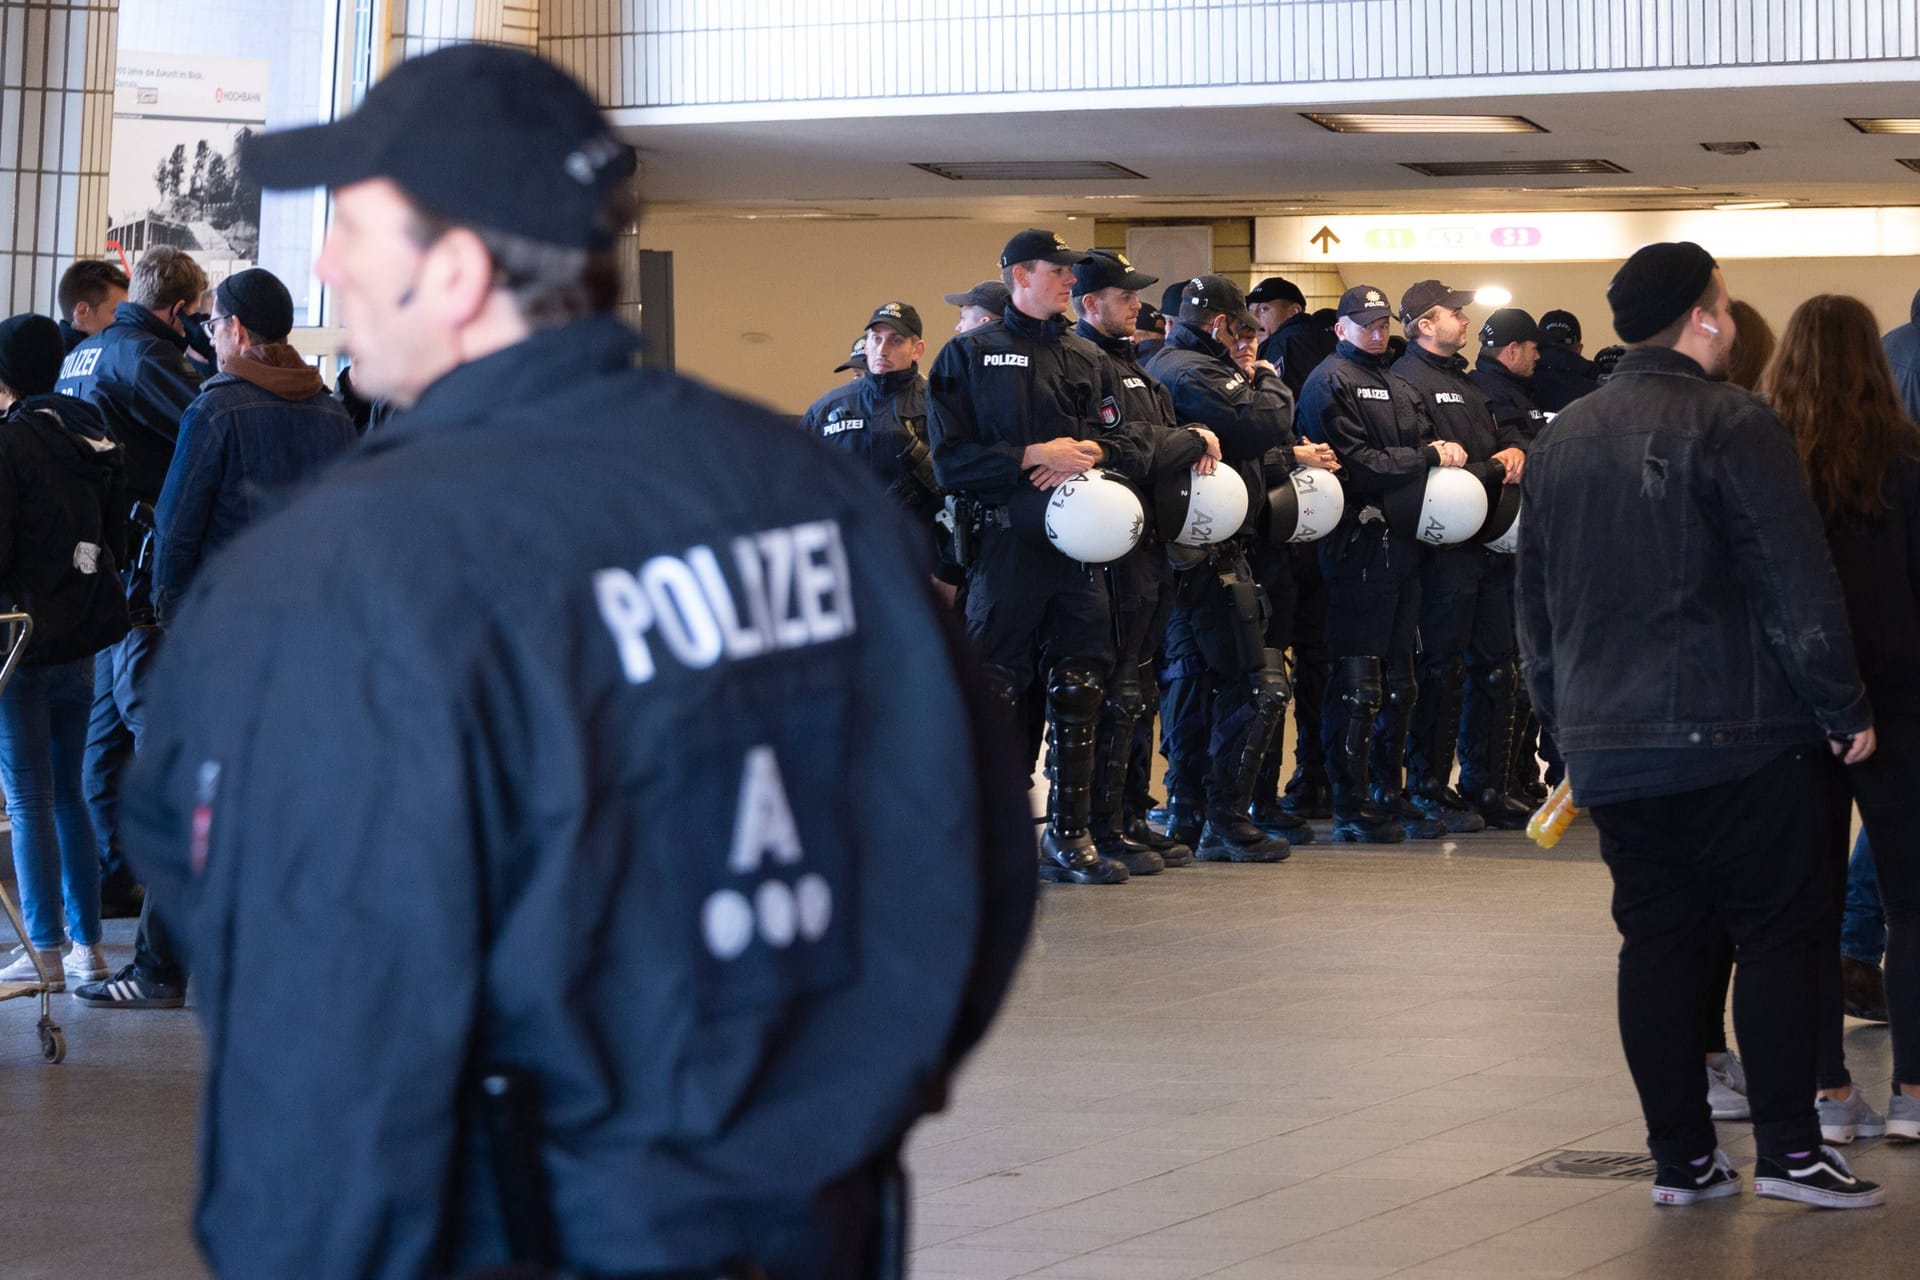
1752	855
1029	607
1310	666
1884	787
1373	605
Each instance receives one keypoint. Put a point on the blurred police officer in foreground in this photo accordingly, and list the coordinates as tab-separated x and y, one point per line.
1563	373
1466	590
1227	691
1374	422
1017	409
985	303
542	834
1106	291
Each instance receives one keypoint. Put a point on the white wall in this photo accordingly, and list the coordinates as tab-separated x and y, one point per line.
765	309
1774	287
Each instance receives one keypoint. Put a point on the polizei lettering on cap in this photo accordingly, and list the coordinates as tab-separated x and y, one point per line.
789	588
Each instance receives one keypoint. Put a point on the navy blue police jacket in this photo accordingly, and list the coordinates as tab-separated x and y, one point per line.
996	389
588	722
1296	349
1147	406
1562	376
875	419
1458	409
1510	398
136	373
1374	421
1249	415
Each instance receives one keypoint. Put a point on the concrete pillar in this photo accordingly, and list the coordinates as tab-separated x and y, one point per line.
56	138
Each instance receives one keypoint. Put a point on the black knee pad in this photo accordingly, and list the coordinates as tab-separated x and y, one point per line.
1075	689
1401	690
1360	687
1125	697
1270	686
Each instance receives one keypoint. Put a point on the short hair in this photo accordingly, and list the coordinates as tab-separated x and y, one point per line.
1006	272
1670	336
550	284
88	281
1413	325
166	275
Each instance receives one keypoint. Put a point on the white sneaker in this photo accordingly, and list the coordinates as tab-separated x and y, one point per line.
1727	1088
1843	1120
85	963
20	968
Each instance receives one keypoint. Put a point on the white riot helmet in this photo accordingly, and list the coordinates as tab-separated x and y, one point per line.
1197	511
1448	509
1306	508
1093	517
1501	532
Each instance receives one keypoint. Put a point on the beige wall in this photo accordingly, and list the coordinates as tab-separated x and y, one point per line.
765	309
1774	286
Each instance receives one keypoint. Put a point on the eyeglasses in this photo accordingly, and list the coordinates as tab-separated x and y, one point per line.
212	321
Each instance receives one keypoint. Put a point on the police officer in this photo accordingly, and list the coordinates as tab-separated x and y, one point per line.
1226	690
1149	331
1106	291
1563	373
1292	339
1509	352
1466	590
1373	420
985	303
880	419
1015	410
540	826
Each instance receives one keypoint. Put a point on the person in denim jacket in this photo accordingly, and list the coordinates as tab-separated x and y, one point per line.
1686	643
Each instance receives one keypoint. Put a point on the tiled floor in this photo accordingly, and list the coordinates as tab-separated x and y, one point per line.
1321	1069
1326	1069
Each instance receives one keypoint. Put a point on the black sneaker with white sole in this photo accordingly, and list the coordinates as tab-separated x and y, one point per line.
1820	1178
1708	1178
131	989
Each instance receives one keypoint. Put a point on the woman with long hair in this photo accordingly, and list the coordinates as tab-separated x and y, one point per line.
1830	383
1753	346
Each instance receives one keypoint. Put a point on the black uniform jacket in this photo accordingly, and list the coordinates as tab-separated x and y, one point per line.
547	731
1250	415
1562	376
872	419
1296	349
136	372
1373	420
1510	398
1148	407
999	388
1458	409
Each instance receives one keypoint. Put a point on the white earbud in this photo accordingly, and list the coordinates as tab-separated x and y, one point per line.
1710	328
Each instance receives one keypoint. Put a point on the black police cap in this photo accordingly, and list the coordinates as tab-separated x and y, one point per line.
1424	295
1509	325
857	359
483	135
1211	294
1108	269
1364	305
1562	327
1035	245
989	295
1277	289
897	316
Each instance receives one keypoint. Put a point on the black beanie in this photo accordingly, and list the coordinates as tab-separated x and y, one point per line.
259	301
1656	286
31	351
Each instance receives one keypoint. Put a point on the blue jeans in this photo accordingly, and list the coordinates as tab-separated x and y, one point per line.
43	735
1863	935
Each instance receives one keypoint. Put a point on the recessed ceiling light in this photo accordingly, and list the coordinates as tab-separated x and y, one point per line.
1739	206
1912	164
1730	148
1029	170
1373	123
1885	124
1509	168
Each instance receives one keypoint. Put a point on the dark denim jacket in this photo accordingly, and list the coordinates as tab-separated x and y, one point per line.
242	449
1674	586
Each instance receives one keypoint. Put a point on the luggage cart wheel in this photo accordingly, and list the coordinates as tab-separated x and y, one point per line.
53	1044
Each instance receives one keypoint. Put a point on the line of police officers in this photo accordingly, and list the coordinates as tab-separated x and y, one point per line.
1399	618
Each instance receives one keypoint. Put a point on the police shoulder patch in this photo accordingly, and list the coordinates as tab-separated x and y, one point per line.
1110	412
